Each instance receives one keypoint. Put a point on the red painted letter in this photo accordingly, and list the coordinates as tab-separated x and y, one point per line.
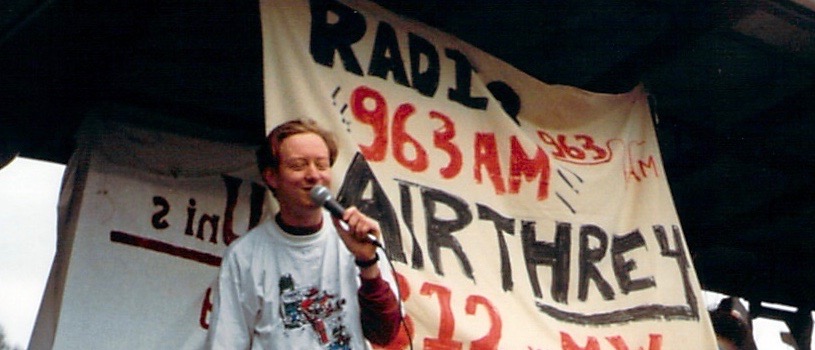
447	323
377	118
567	343
441	139
489	341
401	139
521	164
486	155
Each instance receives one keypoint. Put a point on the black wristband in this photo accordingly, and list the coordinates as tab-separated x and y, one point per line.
367	263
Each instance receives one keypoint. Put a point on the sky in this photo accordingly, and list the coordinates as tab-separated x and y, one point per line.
28	220
28	214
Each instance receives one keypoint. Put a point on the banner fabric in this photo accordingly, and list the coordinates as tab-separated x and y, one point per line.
519	215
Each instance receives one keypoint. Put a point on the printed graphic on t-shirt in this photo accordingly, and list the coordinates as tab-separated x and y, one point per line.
316	309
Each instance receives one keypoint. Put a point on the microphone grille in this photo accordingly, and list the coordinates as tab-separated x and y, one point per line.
319	194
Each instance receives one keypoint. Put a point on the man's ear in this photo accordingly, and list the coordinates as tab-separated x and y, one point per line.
270	177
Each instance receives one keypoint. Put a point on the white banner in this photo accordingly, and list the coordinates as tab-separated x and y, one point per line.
144	218
521	215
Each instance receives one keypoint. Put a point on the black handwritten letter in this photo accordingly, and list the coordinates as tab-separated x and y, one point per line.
378	207
158	220
213	225
386	56
190	218
682	262
588	257
425	82
232	185
502	225
461	93
406	200
439	231
555	254
326	38
623	267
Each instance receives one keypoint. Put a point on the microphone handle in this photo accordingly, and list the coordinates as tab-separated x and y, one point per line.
337	210
334	208
372	240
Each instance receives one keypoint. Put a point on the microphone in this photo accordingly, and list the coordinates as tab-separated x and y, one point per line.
322	197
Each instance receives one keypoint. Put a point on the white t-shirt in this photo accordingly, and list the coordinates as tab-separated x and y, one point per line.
280	291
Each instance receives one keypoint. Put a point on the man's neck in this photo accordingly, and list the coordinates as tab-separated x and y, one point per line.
299	226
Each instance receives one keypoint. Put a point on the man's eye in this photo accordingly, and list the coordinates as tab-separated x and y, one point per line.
303	164
297	165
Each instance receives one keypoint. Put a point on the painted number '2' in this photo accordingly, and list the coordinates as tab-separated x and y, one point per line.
447	323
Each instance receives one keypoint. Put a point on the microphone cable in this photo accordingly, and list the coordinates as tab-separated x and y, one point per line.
402	320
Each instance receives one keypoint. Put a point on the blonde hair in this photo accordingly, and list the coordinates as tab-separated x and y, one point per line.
269	153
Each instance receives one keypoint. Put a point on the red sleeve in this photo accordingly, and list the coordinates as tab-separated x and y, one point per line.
379	311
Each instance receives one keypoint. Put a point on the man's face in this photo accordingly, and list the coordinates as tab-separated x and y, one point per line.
304	163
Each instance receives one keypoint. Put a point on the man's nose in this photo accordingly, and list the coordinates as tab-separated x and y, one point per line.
312	171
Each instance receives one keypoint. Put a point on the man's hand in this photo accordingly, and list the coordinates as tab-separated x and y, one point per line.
354	232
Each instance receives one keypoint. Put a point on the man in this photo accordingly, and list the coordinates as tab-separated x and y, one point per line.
304	280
